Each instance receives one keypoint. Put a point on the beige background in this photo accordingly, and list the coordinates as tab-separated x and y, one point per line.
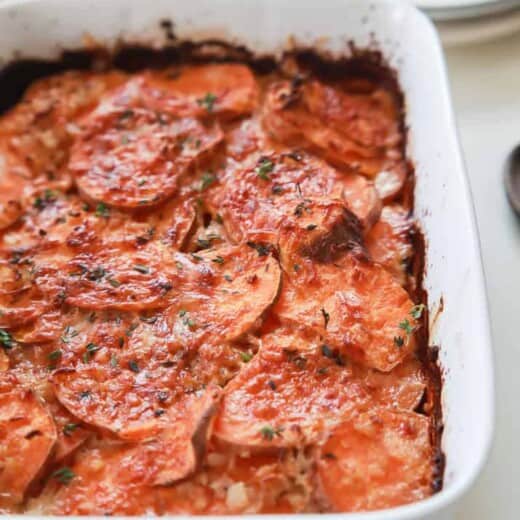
485	83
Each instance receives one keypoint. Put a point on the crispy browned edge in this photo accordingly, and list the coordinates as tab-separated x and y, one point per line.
18	74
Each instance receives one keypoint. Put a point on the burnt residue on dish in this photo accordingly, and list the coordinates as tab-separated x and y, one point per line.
19	74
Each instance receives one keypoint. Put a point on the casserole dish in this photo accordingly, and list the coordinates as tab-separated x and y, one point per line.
42	29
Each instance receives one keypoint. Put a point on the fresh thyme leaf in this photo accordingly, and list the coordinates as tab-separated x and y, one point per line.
114	361
207	180
228	278
102	210
203	243
296	267
246	356
417	310
113	282
208	101
399	341
261	249
6	340
182	312
326	316
133	366
54	356
268	432
405	325
141	268
218	260
327	351
311	227
69	428
63	475
264	168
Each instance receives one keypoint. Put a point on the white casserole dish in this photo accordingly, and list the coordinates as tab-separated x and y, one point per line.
42	28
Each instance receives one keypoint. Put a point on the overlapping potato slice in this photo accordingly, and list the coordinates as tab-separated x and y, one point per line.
357	130
4	360
356	306
55	218
116	480
277	177
20	300
132	158
154	276
376	460
389	241
27	437
225	90
35	136
402	388
124	401
31	366
290	394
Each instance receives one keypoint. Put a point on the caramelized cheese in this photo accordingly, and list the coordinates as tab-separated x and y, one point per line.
204	297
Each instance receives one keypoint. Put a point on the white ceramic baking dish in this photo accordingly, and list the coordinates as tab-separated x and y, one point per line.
42	28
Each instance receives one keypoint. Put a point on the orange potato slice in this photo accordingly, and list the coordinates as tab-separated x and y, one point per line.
153	277
116	481
121	400
133	158
276	177
376	460
356	306
360	131
27	438
290	394
389	241
225	90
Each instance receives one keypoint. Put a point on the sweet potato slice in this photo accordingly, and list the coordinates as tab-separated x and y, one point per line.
402	388
389	241
225	90
356	306
21	302
27	437
360	131
276	177
376	460
4	360
112	480
133	158
152	277
124	401
293	391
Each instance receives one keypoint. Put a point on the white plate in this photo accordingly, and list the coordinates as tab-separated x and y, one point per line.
41	28
464	9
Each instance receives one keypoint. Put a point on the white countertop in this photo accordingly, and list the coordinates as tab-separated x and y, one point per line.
486	93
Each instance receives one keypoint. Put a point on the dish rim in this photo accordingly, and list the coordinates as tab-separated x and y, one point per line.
448	494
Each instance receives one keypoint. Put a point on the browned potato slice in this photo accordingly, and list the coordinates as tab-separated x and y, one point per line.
132	158
119	401
27	437
360	131
225	90
290	394
115	480
389	241
274	178
356	306
375	460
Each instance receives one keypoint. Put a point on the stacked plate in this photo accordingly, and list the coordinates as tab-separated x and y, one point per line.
469	21
464	9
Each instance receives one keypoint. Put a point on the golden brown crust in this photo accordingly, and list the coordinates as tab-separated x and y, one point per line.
202	297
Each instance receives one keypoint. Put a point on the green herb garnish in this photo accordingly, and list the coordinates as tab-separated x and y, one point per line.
208	101
63	475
